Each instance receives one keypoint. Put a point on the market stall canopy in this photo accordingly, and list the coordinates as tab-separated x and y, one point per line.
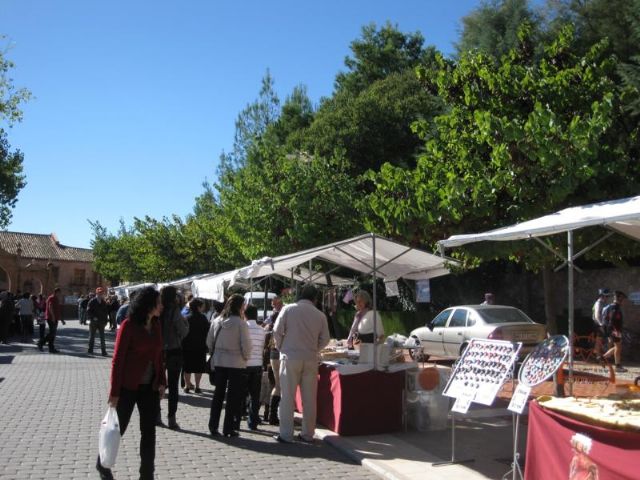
622	216
127	290
391	260
301	274
184	282
212	287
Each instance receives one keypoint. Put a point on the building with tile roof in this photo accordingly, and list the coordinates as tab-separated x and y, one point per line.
37	263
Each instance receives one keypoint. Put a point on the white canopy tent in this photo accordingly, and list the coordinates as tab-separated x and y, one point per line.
368	254
622	216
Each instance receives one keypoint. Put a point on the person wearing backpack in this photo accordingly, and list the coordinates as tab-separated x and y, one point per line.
612	319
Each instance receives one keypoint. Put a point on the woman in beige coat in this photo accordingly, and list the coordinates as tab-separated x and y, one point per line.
230	342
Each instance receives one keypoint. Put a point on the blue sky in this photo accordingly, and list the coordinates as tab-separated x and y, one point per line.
136	99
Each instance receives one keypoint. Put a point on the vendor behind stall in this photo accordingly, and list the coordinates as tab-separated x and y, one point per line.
362	327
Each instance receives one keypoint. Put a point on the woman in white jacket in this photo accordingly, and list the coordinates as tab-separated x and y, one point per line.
230	344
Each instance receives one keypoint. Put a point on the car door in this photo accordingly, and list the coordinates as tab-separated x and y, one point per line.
432	339
453	333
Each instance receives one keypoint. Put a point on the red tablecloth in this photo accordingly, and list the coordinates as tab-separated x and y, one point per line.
365	403
613	454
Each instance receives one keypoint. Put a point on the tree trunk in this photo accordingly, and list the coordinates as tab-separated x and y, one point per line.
549	300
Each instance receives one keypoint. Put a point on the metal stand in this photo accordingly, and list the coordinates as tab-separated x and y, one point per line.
516	472
453	460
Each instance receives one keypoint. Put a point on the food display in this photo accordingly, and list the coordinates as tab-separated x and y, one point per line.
616	413
544	360
482	369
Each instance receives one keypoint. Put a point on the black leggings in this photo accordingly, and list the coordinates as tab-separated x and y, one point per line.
148	403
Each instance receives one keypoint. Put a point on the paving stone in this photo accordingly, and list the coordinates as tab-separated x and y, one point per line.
52	405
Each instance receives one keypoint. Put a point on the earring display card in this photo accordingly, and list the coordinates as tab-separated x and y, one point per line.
544	360
482	369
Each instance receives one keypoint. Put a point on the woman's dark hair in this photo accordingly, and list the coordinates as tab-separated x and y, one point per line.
195	304
141	304
169	296
233	305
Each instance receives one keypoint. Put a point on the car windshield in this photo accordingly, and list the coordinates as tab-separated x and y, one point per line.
503	315
259	303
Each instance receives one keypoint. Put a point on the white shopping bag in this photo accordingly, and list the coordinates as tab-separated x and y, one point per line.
109	439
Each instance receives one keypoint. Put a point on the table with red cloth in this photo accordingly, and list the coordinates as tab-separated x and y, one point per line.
613	454
365	403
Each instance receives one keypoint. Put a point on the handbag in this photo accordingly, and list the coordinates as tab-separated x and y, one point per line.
109	438
211	368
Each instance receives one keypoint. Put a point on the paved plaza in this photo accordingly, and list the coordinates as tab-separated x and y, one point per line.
52	406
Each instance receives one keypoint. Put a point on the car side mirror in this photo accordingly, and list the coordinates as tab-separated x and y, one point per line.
430	326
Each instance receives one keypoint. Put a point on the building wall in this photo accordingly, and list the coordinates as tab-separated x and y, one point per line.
44	276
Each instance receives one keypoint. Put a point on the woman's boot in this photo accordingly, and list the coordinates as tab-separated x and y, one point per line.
273	410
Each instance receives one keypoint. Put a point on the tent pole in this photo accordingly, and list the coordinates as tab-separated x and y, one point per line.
571	306
375	304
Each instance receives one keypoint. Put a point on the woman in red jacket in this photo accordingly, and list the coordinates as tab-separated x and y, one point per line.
137	375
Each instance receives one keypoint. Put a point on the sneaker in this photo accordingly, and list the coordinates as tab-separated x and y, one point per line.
281	439
621	369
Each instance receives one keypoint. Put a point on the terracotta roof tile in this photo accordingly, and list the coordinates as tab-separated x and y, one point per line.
40	246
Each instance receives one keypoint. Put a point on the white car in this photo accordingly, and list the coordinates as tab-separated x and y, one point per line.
257	299
448	334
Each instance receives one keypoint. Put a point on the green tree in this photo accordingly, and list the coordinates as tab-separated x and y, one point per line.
286	202
522	136
373	127
12	179
378	54
492	28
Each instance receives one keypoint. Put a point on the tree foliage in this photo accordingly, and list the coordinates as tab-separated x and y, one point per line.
522	136
492	28
12	179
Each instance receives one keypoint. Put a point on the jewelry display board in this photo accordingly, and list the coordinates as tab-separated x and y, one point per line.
544	360
482	369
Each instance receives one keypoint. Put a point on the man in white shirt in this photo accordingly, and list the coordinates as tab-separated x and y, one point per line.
254	365
301	331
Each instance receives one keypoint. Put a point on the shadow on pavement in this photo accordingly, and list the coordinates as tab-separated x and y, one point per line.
269	446
6	359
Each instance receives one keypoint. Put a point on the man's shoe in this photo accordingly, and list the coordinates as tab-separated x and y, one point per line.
105	354
54	351
304	439
40	345
197	390
281	439
621	369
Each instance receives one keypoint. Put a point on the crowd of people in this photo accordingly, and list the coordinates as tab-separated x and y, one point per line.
159	344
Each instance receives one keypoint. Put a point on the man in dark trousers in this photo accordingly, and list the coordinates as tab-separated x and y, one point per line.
53	315
98	313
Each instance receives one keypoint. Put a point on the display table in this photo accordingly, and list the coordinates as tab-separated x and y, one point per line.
558	447
365	403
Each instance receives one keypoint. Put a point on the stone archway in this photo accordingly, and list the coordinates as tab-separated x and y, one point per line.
33	285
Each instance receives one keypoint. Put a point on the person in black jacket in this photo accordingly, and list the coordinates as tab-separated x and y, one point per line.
194	345
98	313
174	329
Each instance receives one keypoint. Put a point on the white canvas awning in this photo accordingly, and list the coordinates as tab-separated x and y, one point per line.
622	216
390	259
212	287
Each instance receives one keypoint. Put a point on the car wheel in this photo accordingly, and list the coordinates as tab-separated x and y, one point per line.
416	354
